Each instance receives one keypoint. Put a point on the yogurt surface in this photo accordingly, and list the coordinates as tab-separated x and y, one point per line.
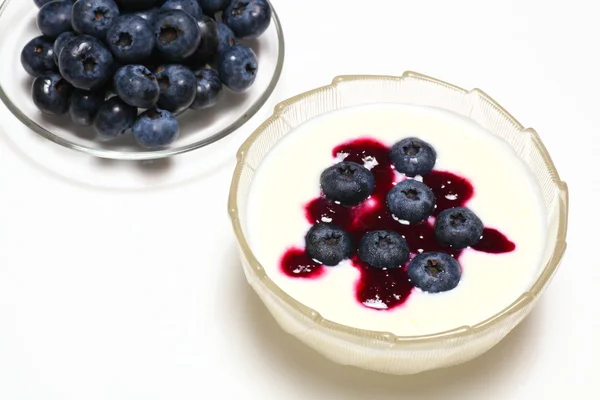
506	198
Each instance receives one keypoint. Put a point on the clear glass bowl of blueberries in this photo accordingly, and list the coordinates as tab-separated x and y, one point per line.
137	79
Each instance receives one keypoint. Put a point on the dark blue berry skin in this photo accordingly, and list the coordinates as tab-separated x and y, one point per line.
210	7
348	183
137	86
40	3
54	18
60	42
434	272
238	68
86	63
383	249
189	6
114	118
226	38
328	243
177	34
51	94
155	128
411	201
248	19
209	89
209	44
94	17
458	228
37	57
136	5
412	156
130	39
149	15
177	87
85	106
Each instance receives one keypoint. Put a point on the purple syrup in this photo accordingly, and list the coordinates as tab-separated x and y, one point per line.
386	289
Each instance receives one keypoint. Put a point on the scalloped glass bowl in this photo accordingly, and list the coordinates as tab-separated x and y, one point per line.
198	128
383	351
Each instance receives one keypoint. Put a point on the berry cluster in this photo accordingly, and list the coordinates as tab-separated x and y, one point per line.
135	64
411	202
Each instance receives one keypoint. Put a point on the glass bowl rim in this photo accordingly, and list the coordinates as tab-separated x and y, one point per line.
162	153
462	332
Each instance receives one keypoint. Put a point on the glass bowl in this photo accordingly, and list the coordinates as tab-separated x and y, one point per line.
384	351
198	128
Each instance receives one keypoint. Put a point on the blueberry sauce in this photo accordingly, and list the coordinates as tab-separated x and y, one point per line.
379	288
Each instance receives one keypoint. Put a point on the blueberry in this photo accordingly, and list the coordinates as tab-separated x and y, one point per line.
412	156
136	5
85	105
328	243
225	37
248	18
130	38
40	3
86	63
60	43
348	183
137	86
189	6
51	94
411	201
54	18
434	272
114	118
177	34
37	57
211	7
383	249
458	227
238	68
208	89
149	15
155	128
177	87
94	17
209	43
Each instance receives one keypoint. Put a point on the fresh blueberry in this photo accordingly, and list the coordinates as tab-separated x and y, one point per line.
383	249
177	34
136	5
149	15
177	87
86	63
130	38
41	3
60	43
137	86
210	7
412	156
94	17
238	67
51	94
225	37
209	43
434	272
37	57
208	89
328	243
189	6
411	200
155	128
85	105
458	227
248	18
348	183
114	118
54	18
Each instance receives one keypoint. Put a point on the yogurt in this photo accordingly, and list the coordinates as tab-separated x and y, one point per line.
506	198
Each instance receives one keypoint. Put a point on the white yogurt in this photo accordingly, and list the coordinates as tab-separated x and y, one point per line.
506	198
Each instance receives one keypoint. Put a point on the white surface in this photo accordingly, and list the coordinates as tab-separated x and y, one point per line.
138	294
489	282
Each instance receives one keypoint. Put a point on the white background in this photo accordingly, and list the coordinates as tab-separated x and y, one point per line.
115	293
